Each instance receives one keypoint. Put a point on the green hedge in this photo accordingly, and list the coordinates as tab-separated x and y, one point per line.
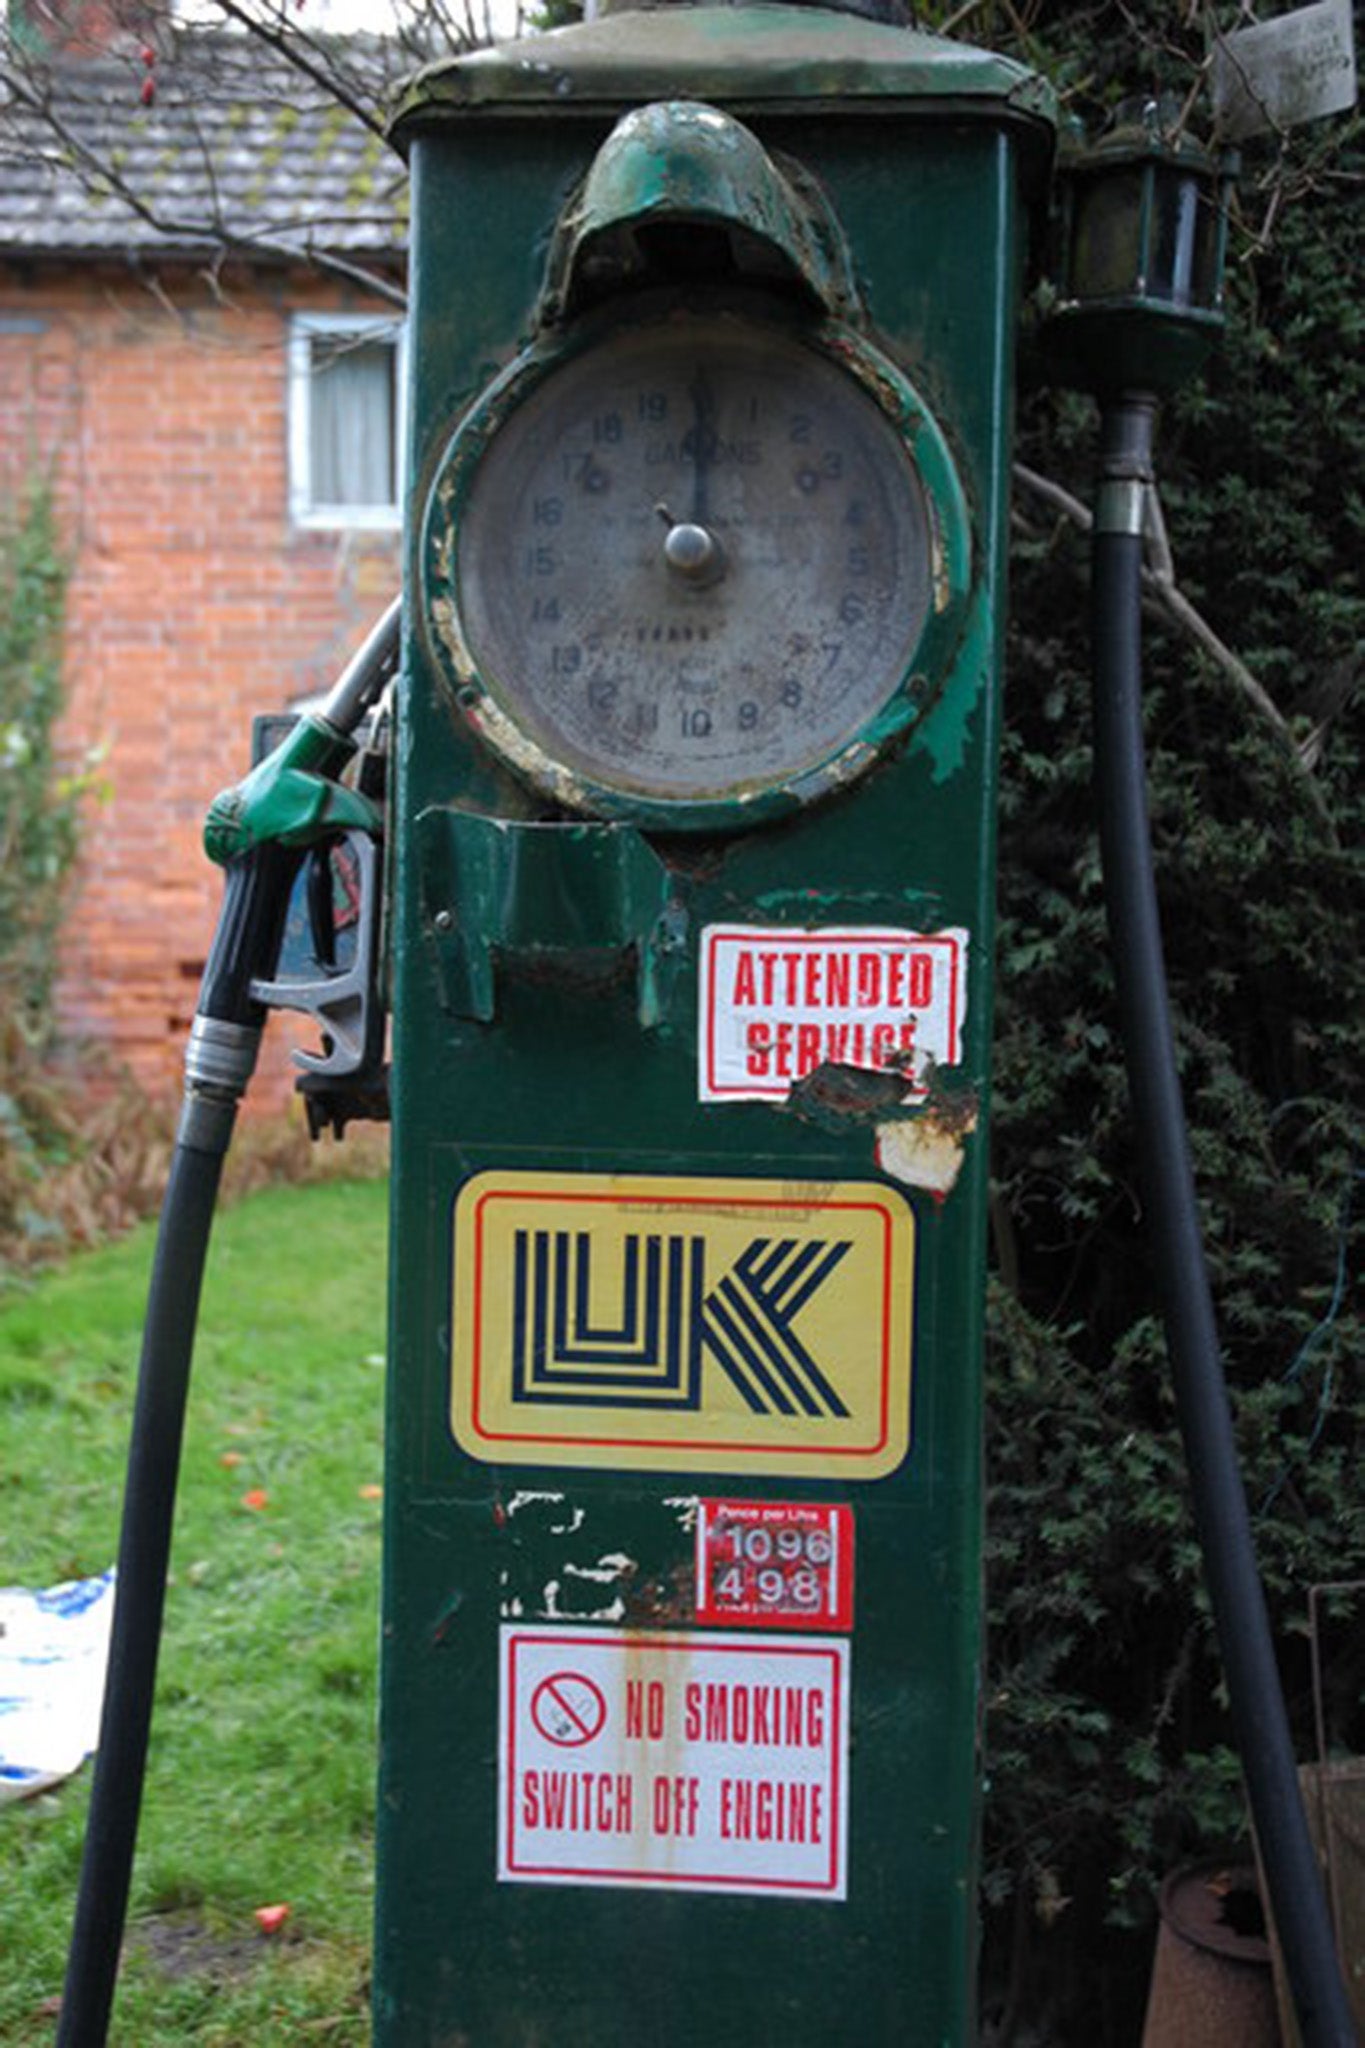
38	831
1108	1738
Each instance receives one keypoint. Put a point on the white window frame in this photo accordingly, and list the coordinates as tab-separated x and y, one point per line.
304	511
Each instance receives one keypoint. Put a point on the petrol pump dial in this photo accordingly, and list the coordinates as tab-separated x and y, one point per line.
690	563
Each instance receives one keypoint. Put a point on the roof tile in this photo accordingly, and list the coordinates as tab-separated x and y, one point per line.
238	146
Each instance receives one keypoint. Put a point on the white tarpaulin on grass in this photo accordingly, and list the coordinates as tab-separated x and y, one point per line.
54	1647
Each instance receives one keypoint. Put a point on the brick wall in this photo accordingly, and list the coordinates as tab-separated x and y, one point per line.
161	407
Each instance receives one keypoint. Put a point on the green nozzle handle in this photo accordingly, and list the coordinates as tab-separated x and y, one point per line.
260	832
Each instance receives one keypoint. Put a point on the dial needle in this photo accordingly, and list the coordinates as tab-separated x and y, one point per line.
703	439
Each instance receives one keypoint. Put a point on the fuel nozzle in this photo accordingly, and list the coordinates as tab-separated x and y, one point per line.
259	832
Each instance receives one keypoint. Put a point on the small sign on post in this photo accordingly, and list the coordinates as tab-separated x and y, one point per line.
1278	74
777	1003
775	1563
684	1762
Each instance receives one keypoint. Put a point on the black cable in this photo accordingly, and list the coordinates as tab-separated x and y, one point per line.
219	1062
144	1548
218	1065
1260	1722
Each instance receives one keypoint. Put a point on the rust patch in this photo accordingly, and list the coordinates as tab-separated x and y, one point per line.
926	1150
668	1597
585	1560
835	1094
444	1629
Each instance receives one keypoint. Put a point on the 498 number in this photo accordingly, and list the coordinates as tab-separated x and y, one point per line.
774	1562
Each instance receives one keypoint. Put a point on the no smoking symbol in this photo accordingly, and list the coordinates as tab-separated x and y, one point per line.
568	1709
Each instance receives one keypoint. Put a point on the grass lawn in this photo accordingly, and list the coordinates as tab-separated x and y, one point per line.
260	1782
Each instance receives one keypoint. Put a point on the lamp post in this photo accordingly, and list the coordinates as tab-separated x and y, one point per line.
1143	238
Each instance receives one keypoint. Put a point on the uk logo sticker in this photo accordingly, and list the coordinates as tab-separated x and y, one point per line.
695	1324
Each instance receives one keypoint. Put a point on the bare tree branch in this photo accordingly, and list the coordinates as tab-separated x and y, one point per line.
1159	584
42	123
296	51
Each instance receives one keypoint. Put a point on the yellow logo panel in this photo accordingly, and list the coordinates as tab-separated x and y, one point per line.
654	1323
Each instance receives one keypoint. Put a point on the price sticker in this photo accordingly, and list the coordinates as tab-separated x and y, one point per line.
781	1564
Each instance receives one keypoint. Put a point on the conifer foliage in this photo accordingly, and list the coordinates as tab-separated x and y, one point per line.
1109	1743
38	823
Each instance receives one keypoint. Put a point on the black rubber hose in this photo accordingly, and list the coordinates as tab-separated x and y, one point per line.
144	1548
1260	1723
219	1062
222	1054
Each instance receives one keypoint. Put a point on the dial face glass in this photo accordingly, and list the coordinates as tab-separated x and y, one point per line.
694	561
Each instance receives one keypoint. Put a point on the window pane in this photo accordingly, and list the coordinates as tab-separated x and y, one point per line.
351	421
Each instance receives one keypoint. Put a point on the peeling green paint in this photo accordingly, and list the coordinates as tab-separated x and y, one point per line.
680	160
946	733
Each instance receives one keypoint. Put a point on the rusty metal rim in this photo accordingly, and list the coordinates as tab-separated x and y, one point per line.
1201	1927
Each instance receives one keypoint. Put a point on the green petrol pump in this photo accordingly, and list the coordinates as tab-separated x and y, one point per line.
692	838
670	819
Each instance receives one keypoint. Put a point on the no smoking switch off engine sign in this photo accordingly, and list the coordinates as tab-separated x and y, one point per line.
692	1762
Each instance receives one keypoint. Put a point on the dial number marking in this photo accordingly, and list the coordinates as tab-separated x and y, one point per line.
694	559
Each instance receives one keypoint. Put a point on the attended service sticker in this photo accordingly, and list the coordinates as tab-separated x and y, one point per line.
776	1005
